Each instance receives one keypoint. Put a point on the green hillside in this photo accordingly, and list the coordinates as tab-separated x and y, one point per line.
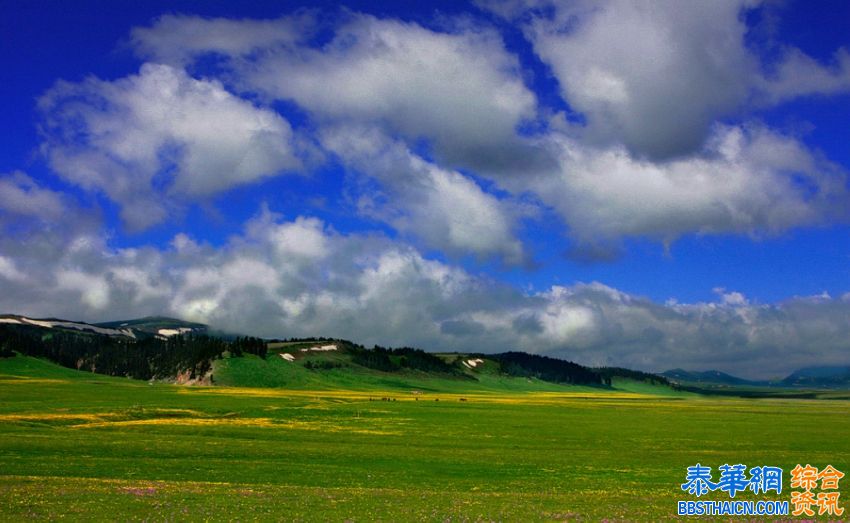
199	357
29	368
339	369
252	371
171	350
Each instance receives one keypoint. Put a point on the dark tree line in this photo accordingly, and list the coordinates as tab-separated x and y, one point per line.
611	372
377	359
249	345
389	360
305	340
547	369
146	358
425	361
6	352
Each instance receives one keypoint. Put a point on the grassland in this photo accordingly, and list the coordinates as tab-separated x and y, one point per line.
88	447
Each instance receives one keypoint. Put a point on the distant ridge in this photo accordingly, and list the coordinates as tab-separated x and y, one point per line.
823	377
150	320
157	325
160	326
715	377
55	323
818	377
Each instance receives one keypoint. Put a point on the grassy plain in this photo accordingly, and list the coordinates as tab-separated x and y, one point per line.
88	447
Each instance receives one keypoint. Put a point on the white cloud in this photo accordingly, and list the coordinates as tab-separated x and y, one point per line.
304	239
798	74
655	76
460	88
651	80
372	290
22	196
141	283
179	39
93	289
444	209
225	293
438	84
9	270
747	180
160	134
732	298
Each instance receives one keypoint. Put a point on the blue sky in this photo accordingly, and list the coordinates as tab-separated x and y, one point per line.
645	185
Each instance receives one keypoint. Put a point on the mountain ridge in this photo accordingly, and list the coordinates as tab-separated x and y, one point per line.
708	376
824	376
161	336
159	347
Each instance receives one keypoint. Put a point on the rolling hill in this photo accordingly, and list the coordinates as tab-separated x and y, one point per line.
168	349
829	377
823	377
139	328
710	377
157	325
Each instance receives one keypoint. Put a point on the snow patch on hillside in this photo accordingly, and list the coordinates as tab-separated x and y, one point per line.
173	332
471	364
322	348
50	324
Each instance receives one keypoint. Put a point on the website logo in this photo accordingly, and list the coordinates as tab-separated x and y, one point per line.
813	491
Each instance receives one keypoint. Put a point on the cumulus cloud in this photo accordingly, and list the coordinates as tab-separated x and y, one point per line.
656	76
746	180
31	212
9	271
21	195
180	39
93	289
160	133
651	81
301	278
798	74
444	209
460	88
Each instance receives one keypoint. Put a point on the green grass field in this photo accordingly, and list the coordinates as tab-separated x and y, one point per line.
87	447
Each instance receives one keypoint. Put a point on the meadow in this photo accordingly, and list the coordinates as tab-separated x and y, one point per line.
82	446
